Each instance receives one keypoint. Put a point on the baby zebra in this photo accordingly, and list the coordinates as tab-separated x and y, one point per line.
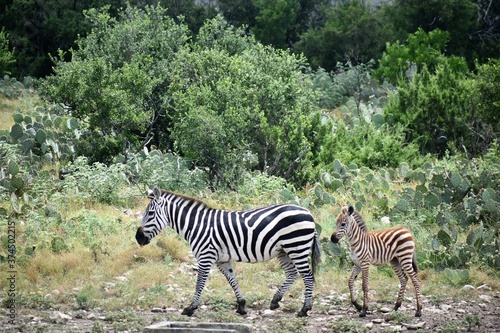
395	245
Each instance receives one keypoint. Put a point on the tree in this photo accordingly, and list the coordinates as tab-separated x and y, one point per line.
238	105
116	79
456	17
351	32
6	56
421	48
434	108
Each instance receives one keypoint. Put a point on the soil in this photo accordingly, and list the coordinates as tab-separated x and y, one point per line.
478	313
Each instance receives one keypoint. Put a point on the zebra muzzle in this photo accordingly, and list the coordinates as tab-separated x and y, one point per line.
141	238
334	239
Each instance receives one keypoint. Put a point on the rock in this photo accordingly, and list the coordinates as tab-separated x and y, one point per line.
485	298
59	317
378	321
468	287
445	307
91	316
369	326
268	312
385	310
156	310
484	287
121	278
461	311
415	327
397	328
385	220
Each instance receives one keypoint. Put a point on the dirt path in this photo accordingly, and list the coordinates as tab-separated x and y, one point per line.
479	313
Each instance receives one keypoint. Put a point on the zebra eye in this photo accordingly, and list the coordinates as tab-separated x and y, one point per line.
342	224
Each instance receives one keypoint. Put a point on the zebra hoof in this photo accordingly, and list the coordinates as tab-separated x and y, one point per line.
241	308
362	313
358	307
396	307
302	313
188	311
274	306
418	313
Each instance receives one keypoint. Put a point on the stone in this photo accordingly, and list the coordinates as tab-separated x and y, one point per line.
445	307
414	327
468	287
369	326
197	327
385	310
378	321
484	287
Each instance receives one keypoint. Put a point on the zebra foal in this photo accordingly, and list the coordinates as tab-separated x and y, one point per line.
395	245
219	237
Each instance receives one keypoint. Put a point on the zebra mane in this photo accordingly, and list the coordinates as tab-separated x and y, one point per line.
359	220
184	197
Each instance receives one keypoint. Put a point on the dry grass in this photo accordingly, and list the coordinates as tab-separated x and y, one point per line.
10	106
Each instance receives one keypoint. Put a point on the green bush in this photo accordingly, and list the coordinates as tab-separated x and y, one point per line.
166	171
366	145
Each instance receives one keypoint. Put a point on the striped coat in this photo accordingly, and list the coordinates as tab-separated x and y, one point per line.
286	232
395	245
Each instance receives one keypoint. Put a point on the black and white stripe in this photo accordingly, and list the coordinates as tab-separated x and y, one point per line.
395	245
219	237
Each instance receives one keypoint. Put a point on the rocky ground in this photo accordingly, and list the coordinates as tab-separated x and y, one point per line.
478	313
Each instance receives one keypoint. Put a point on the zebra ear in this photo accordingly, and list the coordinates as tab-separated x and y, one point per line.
150	194
351	210
157	193
344	210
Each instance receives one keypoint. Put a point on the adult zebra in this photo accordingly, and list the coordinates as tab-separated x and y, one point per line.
395	245
219	237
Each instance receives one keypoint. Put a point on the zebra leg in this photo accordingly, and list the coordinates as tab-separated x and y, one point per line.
227	270
290	277
416	283
365	271
353	277
302	265
403	280
203	271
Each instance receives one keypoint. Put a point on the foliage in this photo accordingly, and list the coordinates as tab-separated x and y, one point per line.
39	137
6	55
166	171
456	17
277	16
434	109
94	182
484	91
421	49
116	79
241	106
366	145
351	31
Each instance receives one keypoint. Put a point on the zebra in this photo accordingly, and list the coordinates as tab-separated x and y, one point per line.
220	237
395	245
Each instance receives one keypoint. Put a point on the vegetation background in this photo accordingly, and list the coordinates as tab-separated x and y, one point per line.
391	107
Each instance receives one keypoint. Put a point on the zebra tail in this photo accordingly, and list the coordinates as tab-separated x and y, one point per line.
316	253
414	263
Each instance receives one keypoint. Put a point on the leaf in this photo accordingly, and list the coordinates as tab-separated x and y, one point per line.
15	203
41	136
13	168
16	132
18	118
444	238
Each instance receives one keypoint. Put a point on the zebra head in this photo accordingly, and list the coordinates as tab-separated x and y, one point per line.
343	223
154	219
